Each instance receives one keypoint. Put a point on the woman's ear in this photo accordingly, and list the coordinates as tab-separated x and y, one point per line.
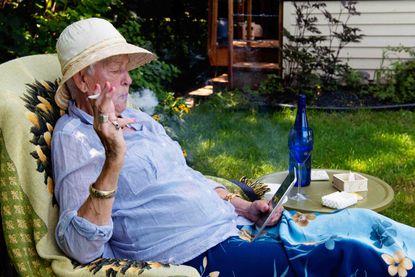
79	81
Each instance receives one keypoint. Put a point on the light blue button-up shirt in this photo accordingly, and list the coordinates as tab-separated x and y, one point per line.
163	210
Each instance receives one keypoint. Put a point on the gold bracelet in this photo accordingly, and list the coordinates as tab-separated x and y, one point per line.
102	194
228	197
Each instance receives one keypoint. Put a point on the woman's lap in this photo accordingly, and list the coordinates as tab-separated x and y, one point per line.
238	257
347	243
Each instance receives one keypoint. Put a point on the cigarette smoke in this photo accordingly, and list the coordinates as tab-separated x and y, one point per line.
145	100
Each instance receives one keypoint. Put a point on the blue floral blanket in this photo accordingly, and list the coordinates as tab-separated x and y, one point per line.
349	242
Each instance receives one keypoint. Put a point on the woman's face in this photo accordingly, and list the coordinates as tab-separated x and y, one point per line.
113	70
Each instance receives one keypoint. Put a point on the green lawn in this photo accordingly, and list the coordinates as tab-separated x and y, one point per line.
230	144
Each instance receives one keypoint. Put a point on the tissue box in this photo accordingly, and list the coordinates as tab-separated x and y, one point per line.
350	182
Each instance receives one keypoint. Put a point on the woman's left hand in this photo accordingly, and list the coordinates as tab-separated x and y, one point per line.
254	211
257	210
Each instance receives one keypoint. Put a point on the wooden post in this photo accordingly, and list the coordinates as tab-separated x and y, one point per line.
249	20
230	43
214	25
240	19
280	35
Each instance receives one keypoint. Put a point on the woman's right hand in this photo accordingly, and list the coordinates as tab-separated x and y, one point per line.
106	123
99	210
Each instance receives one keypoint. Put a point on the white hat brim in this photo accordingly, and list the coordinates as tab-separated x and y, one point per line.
137	57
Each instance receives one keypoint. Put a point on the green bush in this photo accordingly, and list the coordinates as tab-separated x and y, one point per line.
310	58
32	27
396	82
35	27
405	82
157	75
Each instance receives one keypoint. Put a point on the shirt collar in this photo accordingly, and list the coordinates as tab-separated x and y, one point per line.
73	110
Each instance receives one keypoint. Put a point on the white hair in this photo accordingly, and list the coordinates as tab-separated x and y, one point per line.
90	70
70	84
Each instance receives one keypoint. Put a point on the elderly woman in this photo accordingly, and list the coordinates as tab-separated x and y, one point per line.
125	190
122	184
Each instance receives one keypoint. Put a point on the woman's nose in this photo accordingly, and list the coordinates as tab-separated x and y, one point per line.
126	81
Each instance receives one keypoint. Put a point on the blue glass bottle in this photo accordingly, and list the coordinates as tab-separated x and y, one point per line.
222	31
300	144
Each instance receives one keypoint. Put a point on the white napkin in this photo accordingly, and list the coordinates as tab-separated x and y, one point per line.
338	200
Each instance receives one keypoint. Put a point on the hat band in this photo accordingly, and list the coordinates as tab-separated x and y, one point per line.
90	51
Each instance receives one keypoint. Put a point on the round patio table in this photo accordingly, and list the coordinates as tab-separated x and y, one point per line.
378	197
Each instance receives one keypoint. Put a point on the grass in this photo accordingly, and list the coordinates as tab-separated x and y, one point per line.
231	144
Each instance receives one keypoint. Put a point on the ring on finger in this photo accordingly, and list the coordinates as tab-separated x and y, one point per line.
102	118
116	124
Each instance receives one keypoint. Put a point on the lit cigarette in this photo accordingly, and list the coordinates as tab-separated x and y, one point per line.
94	96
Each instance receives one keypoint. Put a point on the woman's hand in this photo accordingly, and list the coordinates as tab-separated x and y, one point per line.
258	208
110	131
106	123
254	211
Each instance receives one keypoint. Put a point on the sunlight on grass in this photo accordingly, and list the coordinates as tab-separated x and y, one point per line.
358	165
206	145
402	141
231	144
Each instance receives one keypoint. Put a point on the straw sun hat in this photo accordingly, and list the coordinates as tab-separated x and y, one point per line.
88	41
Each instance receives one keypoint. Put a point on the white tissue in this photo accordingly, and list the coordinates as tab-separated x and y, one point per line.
319	175
338	200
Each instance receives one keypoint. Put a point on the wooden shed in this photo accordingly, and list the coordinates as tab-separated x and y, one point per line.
246	37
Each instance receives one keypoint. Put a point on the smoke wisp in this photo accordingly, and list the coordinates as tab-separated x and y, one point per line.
145	100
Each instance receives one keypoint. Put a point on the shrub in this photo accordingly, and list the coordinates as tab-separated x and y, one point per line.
36	25
156	76
310	58
170	113
396	82
32	27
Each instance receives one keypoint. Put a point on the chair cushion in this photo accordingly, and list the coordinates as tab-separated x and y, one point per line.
43	113
22	227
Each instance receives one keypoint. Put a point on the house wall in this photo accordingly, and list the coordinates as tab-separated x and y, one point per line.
384	23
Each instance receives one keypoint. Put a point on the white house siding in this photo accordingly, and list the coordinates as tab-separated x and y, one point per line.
384	23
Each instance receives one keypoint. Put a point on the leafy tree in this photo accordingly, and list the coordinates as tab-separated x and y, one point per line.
32	27
311	58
